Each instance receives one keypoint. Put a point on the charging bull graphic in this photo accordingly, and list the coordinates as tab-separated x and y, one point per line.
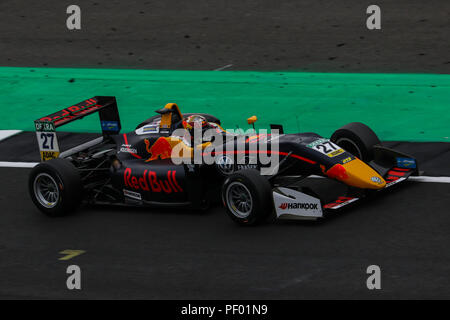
160	149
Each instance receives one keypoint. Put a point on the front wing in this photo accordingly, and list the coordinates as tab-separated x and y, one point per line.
293	204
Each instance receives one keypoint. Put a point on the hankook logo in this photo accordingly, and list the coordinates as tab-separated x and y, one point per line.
299	205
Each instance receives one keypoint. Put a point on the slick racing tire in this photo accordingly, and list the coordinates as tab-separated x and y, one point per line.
55	187
247	197
356	138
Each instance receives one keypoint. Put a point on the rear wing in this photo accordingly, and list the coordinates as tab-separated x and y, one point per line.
46	126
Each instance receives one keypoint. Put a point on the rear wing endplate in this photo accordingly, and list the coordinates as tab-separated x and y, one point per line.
46	126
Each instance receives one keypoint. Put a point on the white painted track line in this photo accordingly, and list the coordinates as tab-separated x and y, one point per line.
430	179
223	68
6	164
4	134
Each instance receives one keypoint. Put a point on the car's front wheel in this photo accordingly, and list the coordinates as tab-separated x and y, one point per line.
356	138
247	197
55	187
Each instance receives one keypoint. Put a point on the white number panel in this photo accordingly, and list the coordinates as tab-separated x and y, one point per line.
48	145
326	147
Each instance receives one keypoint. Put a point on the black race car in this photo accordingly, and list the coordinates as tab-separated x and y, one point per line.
139	168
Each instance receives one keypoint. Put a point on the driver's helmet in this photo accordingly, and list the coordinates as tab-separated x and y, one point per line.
195	121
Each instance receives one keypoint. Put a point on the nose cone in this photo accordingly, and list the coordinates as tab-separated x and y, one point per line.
357	174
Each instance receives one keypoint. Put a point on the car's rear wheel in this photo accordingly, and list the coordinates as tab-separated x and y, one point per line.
356	138
247	197
55	187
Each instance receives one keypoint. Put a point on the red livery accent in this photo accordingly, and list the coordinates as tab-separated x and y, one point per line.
125	139
256	152
84	108
105	106
175	181
149	180
396	173
337	171
392	178
337	202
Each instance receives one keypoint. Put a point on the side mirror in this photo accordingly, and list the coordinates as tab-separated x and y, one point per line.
252	120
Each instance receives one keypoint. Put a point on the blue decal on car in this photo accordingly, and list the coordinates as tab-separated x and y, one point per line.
109	125
407	163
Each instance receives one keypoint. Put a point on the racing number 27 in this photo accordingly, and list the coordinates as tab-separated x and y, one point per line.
326	147
46	139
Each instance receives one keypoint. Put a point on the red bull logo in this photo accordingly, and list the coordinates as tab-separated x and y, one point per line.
149	181
160	149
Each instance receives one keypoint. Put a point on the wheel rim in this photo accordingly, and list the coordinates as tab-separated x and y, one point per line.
349	146
46	190
239	200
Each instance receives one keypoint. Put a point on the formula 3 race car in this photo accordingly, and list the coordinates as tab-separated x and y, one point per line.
138	168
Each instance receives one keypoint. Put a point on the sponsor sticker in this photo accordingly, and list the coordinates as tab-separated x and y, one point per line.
44	126
149	181
407	163
132	194
290	203
376	180
225	164
127	148
317	142
110	125
247	166
48	155
299	205
346	160
151	129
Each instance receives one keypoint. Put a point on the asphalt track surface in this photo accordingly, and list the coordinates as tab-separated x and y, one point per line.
307	35
156	254
182	254
132	253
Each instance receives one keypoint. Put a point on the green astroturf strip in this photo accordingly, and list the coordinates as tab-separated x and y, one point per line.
412	107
